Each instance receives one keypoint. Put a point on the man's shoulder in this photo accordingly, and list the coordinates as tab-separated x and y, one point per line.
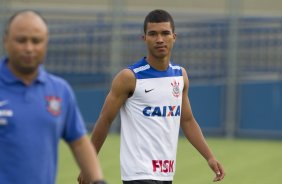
175	66
54	77
57	80
139	66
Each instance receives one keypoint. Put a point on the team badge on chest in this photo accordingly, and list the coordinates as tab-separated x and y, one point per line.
54	105
175	88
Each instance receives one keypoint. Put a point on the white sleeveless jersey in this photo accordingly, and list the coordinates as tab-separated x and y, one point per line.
150	121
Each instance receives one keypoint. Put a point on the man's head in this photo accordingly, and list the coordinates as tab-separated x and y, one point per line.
158	16
25	41
159	35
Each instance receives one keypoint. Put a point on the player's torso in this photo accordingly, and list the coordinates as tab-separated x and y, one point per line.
150	124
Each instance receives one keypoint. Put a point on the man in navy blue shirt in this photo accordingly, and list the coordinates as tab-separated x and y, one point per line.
37	109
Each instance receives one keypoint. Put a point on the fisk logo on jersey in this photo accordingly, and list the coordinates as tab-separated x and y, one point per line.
164	166
164	111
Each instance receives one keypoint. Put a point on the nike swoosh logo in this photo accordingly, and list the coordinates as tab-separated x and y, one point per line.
147	91
4	102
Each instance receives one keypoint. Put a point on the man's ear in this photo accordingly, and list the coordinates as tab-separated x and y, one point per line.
174	36
4	41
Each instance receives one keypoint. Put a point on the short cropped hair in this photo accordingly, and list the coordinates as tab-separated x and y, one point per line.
11	19
158	16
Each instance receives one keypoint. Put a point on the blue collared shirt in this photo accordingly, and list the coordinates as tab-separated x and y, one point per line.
33	119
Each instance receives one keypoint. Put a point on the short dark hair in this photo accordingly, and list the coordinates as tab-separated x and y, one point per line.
11	19
157	16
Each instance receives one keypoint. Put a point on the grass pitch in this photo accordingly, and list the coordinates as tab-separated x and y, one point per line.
245	162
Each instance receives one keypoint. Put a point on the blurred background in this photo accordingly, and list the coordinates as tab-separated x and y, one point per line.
231	49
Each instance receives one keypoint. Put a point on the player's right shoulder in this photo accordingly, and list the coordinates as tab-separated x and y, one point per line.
126	74
125	77
124	82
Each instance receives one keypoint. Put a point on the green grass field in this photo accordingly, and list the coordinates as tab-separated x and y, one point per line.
245	162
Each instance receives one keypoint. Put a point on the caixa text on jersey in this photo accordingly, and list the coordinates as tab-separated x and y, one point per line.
164	111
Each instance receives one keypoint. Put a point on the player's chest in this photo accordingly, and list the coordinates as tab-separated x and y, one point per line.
159	89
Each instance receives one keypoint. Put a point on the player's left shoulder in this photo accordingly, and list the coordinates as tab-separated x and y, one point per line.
184	72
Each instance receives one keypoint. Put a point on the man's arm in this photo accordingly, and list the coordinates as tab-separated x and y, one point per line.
194	134
123	86
86	158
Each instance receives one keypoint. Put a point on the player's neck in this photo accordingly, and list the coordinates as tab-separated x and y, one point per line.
158	63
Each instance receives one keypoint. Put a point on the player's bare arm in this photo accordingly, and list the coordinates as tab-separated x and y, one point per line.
122	87
189	125
194	134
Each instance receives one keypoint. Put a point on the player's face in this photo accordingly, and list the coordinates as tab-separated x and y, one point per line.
159	39
26	43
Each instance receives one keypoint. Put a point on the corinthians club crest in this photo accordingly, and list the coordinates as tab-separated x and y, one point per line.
54	105
175	88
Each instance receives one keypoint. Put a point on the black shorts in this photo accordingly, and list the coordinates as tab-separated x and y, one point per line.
146	182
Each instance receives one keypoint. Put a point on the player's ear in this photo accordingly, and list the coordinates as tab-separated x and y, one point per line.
4	41
174	36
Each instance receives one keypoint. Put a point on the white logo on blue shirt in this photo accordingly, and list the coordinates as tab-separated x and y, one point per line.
3	102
